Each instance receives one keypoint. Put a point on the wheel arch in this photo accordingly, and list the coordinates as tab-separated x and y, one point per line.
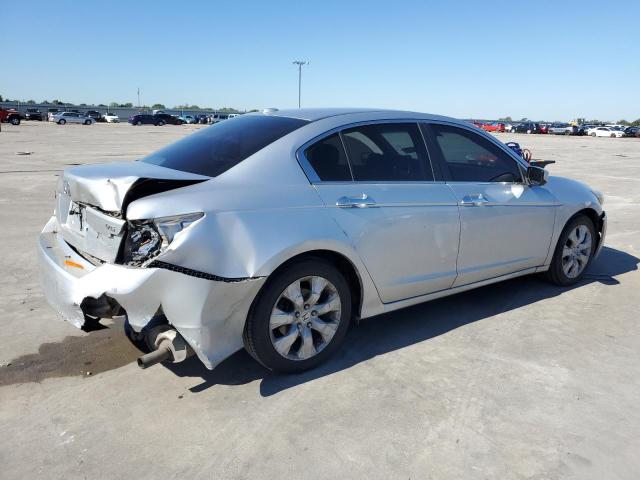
340	261
593	215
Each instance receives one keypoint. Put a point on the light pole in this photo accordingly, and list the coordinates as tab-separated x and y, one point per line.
300	63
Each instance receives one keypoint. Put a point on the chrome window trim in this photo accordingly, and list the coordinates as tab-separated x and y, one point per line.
522	165
313	178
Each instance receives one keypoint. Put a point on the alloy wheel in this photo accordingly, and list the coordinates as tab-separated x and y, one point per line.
576	251
305	318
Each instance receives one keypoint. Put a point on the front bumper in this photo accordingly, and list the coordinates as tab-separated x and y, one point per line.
210	315
603	233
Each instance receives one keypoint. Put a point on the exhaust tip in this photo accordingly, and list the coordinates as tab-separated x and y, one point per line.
160	355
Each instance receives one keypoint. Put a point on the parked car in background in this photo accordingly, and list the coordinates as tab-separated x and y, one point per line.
525	127
631	131
187	119
158	120
217	117
166	119
563	129
201	118
10	115
51	112
143	119
544	128
33	114
111	118
349	236
492	127
96	115
72	117
605	132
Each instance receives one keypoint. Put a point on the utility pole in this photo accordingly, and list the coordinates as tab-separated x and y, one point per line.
300	63
138	98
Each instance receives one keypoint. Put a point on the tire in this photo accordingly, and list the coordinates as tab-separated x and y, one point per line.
560	274
138	123
62	121
87	122
529	132
293	334
160	123
567	133
613	135
15	121
593	134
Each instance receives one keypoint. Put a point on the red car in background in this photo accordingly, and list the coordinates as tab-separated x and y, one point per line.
492	127
544	128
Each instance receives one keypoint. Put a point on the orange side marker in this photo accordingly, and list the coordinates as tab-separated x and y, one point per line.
70	263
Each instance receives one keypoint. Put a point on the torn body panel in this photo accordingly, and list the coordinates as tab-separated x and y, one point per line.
209	314
107	186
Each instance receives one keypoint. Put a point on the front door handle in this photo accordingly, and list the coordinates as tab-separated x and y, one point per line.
358	201
476	200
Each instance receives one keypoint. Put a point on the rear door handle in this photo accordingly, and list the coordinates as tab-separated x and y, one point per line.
476	200
358	201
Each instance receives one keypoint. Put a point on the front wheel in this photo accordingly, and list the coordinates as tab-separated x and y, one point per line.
62	121
160	123
87	122
138	123
573	252
15	121
300	318
593	134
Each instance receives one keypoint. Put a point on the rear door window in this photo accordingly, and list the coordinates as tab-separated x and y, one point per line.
387	152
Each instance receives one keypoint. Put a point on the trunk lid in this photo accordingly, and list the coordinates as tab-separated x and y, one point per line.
91	202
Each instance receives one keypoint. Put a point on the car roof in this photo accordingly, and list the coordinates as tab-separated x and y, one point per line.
314	114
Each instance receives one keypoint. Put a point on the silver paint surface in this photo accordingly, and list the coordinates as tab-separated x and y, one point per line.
419	241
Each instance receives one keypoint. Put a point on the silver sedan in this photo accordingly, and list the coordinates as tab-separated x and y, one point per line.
276	230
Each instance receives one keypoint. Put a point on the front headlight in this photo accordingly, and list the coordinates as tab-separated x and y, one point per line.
599	196
146	239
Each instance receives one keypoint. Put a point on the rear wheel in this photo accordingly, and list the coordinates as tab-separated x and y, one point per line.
300	318
15	121
160	123
87	122
573	252
613	135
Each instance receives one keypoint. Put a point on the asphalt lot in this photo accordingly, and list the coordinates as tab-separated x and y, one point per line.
517	380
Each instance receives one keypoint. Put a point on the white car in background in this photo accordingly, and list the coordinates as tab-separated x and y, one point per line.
111	118
72	117
605	132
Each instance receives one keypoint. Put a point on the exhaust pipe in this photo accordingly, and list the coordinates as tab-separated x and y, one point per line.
160	355
169	346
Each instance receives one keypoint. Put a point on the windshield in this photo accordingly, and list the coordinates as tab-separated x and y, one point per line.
216	149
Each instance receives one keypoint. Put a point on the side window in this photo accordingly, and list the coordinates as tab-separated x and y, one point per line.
328	159
387	152
471	158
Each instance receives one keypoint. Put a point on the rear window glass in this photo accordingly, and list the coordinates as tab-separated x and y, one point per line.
216	149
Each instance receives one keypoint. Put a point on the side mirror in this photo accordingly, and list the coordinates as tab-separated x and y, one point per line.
537	175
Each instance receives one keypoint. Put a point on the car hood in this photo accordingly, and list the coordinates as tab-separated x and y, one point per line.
111	186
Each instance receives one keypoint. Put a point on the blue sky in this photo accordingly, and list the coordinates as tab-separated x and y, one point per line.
483	59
